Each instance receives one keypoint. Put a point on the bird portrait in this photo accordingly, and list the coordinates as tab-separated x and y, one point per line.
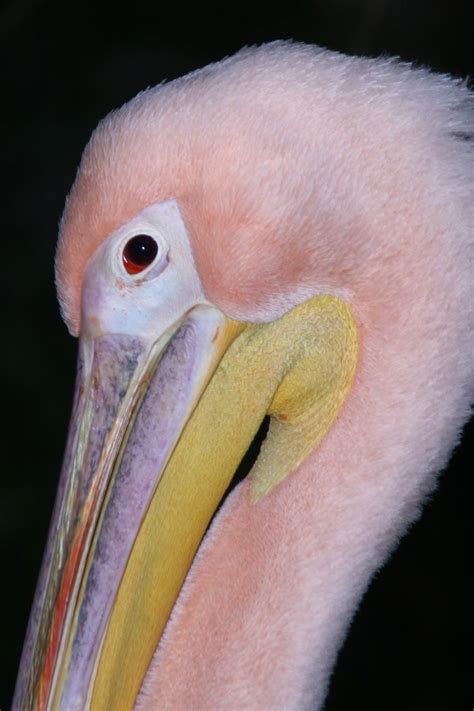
265	261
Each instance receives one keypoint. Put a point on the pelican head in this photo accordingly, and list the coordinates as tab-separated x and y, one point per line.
284	233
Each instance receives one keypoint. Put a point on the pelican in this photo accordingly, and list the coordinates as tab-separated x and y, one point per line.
284	234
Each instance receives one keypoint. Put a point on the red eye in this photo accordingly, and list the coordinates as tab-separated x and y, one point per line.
139	253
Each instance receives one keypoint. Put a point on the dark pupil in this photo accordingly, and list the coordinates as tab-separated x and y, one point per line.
141	250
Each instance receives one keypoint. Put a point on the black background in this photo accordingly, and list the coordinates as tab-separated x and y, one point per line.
65	65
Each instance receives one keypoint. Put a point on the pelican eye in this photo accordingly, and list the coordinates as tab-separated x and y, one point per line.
139	252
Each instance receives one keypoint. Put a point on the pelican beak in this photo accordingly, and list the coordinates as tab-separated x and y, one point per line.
169	395
130	408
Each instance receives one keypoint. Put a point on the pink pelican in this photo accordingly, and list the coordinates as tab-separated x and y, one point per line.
285	233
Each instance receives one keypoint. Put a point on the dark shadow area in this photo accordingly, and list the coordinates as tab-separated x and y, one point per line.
248	460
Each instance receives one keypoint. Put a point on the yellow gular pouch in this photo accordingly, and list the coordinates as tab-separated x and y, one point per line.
315	349
297	369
